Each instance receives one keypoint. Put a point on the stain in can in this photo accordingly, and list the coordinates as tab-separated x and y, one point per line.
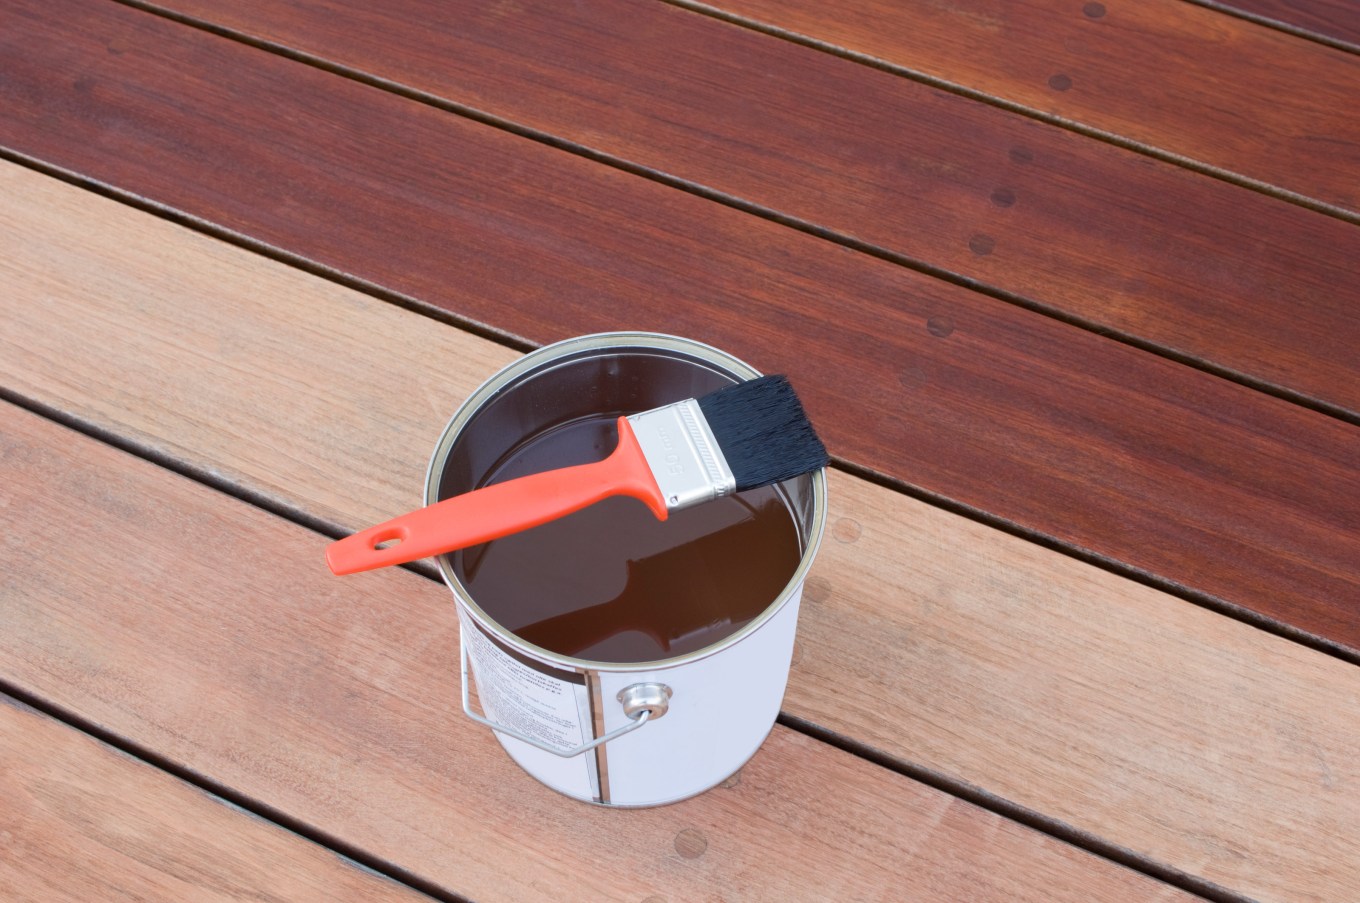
611	583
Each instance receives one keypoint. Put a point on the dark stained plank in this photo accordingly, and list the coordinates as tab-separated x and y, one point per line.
1221	91
1335	19
1198	483
970	653
334	702
81	821
1250	284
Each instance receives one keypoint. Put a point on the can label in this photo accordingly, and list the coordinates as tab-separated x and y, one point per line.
551	705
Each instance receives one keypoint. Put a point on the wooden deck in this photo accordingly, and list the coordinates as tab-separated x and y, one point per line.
1070	290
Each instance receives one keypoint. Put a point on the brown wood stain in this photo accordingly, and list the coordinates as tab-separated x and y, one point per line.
613	583
1193	482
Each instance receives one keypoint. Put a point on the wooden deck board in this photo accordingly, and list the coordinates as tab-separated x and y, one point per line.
1145	721
191	623
966	395
1166	74
81	821
1338	20
1247	283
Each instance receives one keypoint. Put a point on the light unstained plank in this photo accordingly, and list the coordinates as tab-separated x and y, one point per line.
209	334
80	821
1146	721
1105	235
211	632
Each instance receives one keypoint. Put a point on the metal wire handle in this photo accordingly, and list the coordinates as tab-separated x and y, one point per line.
638	720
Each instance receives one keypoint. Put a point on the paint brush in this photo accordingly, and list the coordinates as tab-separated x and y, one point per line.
740	437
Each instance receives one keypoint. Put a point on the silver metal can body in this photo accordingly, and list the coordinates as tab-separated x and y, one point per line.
618	734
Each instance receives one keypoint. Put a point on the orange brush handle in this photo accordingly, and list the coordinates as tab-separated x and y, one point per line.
501	509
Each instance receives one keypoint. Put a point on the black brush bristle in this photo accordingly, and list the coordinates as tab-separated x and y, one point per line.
762	431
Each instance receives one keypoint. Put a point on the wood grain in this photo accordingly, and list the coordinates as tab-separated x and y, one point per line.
1186	736
1252	285
947	390
334	701
1150	723
82	822
1335	19
1165	74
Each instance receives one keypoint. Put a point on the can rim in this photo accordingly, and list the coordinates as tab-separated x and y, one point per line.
559	350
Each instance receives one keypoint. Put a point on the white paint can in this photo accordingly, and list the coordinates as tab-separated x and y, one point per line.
617	732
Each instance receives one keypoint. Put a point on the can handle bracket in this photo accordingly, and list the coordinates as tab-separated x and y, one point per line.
652	699
643	703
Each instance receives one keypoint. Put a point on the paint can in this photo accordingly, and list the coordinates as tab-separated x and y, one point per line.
605	719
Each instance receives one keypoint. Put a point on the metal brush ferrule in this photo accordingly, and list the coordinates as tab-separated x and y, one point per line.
683	454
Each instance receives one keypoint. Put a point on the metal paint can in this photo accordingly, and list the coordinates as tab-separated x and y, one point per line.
612	733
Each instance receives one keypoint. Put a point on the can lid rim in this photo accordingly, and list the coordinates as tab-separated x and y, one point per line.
555	352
